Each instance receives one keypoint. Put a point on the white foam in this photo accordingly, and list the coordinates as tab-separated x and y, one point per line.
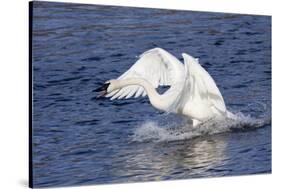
182	130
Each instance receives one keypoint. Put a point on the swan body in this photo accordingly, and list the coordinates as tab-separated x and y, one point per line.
192	91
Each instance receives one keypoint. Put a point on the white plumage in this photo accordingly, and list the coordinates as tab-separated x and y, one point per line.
192	91
156	66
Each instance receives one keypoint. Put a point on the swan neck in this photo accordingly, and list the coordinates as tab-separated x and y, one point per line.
154	97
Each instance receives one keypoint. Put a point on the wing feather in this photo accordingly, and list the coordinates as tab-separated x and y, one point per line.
132	92
203	83
112	93
157	66
139	92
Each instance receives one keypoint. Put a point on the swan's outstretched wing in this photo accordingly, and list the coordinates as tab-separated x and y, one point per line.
200	80
157	66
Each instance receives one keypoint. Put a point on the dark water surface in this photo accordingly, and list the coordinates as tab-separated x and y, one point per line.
80	140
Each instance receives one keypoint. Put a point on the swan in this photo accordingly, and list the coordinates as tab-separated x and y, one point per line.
192	91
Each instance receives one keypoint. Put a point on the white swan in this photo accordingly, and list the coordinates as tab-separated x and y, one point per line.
192	91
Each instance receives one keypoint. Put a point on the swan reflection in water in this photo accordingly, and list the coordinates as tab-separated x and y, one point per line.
176	159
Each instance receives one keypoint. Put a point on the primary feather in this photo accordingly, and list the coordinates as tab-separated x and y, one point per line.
157	66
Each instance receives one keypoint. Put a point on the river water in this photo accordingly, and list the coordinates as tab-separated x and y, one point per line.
79	140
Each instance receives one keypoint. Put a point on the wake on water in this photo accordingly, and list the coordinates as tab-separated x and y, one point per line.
172	127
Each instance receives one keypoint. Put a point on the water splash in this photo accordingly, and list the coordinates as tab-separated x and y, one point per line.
182	129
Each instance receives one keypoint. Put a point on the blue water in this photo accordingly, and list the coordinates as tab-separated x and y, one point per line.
79	140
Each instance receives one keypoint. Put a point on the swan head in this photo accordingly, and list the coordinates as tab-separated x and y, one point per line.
107	87
113	84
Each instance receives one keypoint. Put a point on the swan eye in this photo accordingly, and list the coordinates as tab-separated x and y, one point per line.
102	88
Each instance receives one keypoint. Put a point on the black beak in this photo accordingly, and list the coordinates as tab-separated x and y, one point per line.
102	90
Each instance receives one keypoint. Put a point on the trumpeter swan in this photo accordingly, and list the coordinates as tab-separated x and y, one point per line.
192	91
